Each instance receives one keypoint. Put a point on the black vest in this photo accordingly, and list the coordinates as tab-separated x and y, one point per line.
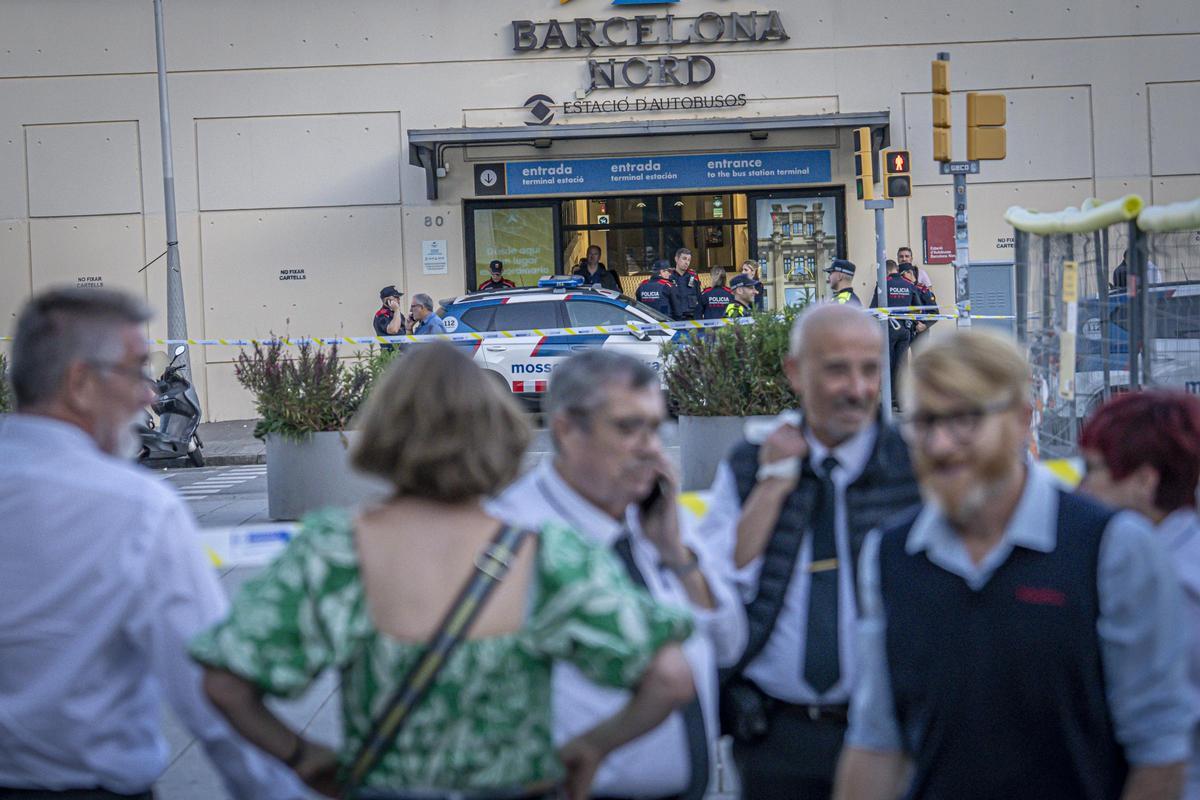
999	693
886	487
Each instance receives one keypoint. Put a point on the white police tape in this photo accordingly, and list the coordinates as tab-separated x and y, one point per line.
907	313
246	545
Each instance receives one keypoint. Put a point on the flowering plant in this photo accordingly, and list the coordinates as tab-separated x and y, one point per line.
5	401
310	392
736	371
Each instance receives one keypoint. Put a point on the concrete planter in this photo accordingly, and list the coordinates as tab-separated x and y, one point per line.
315	473
703	444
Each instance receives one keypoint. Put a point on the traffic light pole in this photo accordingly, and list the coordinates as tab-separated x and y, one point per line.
962	257
885	376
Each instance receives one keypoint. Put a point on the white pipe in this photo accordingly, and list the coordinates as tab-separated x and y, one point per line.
1173	217
1074	220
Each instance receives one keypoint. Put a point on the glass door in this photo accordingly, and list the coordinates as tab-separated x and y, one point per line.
796	236
633	232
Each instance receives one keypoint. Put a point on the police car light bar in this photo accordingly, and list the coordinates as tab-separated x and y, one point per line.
559	282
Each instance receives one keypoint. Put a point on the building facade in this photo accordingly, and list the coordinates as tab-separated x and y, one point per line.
324	150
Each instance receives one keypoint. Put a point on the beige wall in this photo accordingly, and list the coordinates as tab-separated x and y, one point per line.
289	126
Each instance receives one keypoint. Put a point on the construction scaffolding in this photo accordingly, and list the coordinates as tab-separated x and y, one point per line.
1108	300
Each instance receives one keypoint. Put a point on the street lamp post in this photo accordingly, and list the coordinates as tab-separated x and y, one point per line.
176	312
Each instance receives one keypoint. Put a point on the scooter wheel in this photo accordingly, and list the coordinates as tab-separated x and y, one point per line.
196	457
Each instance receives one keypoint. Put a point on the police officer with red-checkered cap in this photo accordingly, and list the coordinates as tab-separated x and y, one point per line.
497	281
387	322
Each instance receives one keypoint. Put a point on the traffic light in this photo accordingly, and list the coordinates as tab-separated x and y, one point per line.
941	110
864	164
986	115
896	180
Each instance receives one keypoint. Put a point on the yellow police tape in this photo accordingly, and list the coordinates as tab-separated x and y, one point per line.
1067	470
908	313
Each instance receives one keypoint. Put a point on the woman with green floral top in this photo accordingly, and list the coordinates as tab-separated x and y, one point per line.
364	593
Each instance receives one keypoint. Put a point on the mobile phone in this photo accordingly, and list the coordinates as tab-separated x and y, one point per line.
656	496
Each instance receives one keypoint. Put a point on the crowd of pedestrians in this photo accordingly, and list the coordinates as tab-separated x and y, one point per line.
867	611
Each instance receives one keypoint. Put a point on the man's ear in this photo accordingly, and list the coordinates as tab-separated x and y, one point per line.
1146	478
1025	415
78	386
791	368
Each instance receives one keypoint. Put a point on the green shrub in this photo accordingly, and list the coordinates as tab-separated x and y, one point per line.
310	392
736	371
377	361
5	395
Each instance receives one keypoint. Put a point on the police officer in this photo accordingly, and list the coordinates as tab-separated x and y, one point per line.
743	296
657	291
687	285
904	255
714	300
925	292
386	322
497	281
840	275
750	267
901	293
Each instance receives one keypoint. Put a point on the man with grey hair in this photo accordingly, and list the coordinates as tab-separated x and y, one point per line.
103	581
795	499
611	481
424	321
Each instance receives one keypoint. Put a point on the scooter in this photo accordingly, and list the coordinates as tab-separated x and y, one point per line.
178	408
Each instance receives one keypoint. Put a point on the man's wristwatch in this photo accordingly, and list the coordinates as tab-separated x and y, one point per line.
685	569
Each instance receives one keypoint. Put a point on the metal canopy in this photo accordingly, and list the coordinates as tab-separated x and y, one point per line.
426	148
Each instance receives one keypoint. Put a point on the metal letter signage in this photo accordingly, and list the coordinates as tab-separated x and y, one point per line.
644	31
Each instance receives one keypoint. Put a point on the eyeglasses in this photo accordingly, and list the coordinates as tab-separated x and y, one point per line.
630	427
961	424
140	374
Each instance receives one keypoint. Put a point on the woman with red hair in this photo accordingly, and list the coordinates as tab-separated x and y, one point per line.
1142	452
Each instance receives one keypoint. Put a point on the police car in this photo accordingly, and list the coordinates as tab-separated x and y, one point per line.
526	363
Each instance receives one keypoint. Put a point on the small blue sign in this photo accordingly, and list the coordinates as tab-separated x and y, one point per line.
655	173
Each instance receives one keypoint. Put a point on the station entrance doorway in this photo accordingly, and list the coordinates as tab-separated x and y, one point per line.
791	234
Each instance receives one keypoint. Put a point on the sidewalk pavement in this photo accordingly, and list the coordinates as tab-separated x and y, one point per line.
232	443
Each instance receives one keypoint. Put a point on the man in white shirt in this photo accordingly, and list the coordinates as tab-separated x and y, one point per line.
102	582
797	498
611	481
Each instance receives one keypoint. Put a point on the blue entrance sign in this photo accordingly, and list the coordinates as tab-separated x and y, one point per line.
655	173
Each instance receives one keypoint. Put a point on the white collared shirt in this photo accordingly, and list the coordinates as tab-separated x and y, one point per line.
656	764
779	669
102	584
1179	533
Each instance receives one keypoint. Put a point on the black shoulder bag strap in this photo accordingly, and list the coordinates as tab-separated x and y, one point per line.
491	566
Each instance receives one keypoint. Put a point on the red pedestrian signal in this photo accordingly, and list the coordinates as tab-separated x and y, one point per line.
896	180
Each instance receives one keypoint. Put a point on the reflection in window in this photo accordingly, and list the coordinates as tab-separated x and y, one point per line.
523	316
583	313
